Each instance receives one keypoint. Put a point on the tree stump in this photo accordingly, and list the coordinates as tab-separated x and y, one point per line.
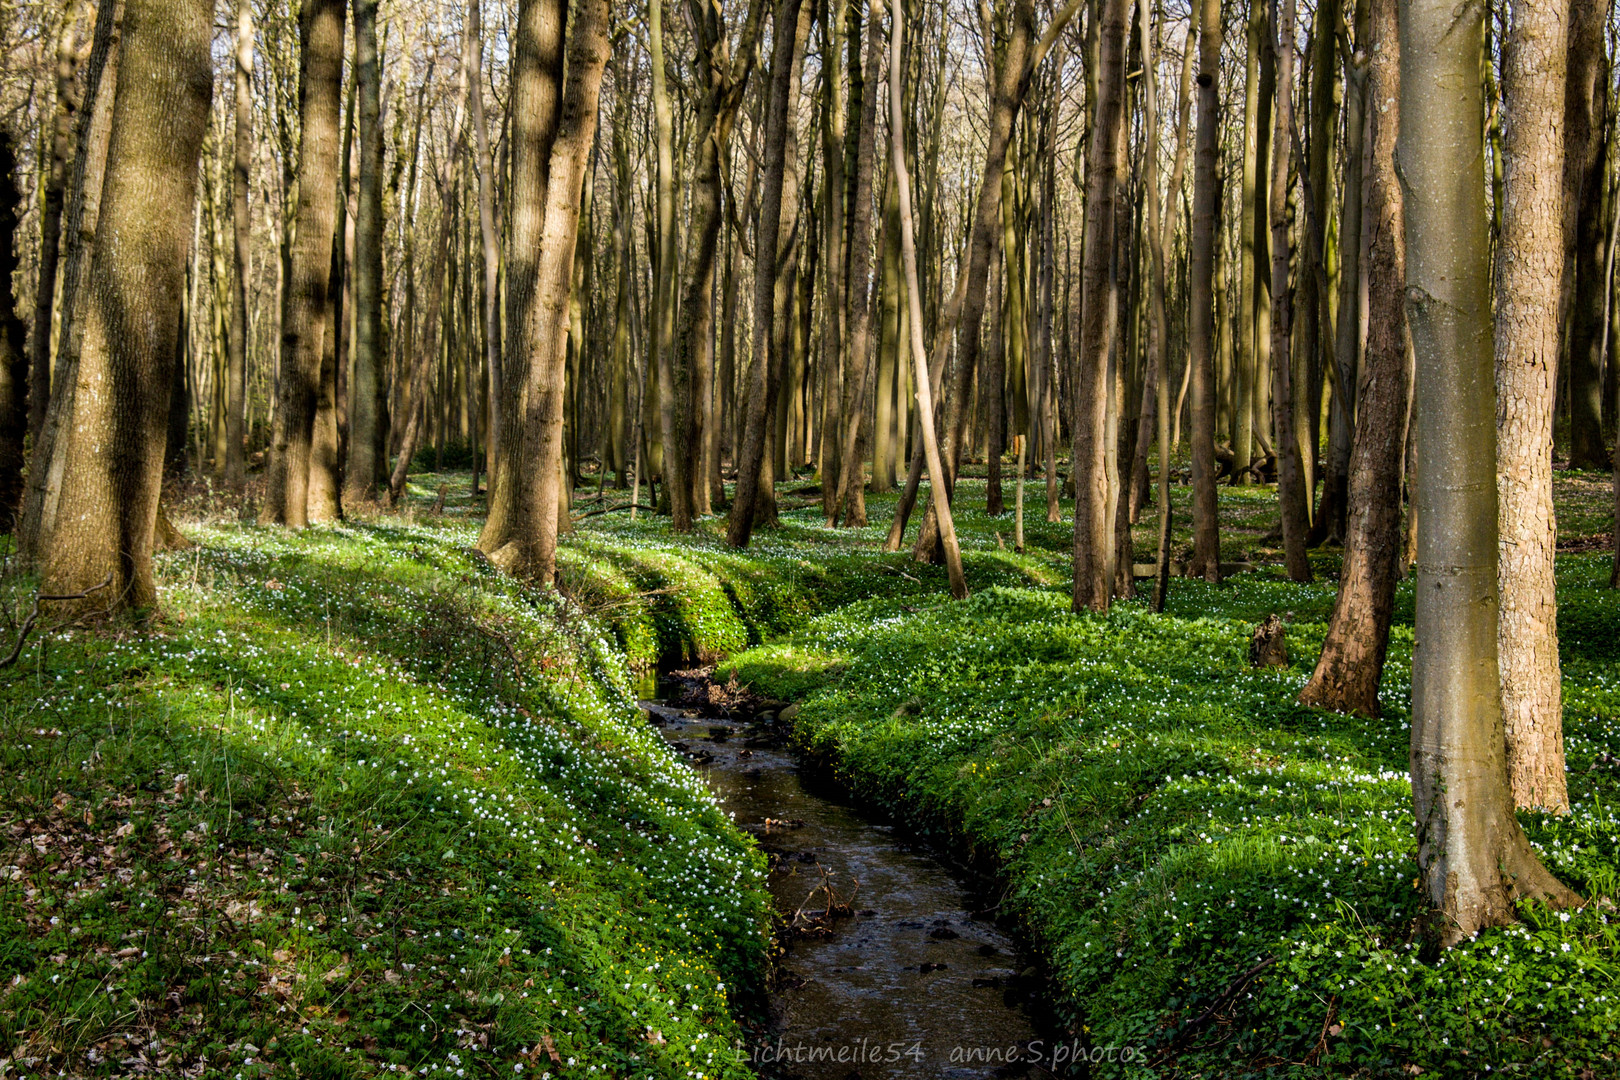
1269	645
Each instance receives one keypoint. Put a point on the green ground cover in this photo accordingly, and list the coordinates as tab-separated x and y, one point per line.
327	817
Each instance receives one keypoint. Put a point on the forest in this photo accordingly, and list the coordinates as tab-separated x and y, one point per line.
810	539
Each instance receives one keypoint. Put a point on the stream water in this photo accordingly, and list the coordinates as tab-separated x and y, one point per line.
907	976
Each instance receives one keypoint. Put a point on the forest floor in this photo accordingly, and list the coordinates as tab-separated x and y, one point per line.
358	806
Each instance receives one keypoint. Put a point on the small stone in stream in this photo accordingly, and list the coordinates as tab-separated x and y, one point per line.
988	950
766	718
926	967
943	933
789	713
745	753
702	757
906	924
987	984
867	914
719	734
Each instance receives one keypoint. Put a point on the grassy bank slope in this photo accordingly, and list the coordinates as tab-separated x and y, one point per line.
357	807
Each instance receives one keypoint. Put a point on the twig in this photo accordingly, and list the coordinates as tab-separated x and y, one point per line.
33	616
611	509
1219	1003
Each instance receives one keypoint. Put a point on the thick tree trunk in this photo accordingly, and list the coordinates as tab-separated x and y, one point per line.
304	305
1352	659
1099	322
1206	560
537	88
1475	860
1528	265
234	465
543	346
115	438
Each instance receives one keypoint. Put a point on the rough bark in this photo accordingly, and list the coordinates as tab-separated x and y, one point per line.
1528	262
1585	118
13	341
115	437
1474	859
304	303
233	469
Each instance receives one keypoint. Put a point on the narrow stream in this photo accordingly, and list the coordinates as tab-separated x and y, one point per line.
903	979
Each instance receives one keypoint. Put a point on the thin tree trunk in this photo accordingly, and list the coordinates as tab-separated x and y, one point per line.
115	441
233	466
1206	561
13	341
1585	119
939	496
1292	493
365	467
1474	859
1528	264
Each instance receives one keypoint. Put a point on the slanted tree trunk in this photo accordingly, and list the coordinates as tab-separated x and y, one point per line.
115	437
1475	860
1206	561
1352	659
1529	259
304	304
543	346
1099	322
1292	494
365	467
939	497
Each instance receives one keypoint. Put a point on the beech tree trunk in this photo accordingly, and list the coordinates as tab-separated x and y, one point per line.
1586	101
365	468
1099	322
1348	670
1475	860
1292	494
1528	264
304	304
116	434
1206	561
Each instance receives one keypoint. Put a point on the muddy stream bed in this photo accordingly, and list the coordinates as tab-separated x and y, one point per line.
890	965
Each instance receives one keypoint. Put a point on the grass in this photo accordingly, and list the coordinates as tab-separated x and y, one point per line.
358	806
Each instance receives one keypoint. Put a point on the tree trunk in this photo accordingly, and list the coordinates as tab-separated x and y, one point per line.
1099	322
537	88
939	497
13	342
1206	561
1528	264
1292	494
1352	660
115	439
1475	860
1585	119
764	371
365	467
542	348
304	305
234	466
70	54
860	356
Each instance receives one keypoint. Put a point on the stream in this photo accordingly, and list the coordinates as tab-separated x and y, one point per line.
889	967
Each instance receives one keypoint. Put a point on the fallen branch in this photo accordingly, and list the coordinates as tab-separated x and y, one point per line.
33	617
611	509
1226	996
